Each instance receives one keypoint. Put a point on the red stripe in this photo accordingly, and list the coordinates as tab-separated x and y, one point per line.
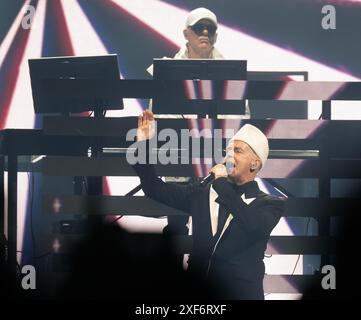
9	72
140	24
62	32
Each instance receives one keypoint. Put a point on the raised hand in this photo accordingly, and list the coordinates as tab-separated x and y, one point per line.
146	126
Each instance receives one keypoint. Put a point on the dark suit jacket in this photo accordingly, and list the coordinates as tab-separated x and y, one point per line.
236	264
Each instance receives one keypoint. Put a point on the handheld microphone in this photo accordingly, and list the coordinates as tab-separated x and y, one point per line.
210	176
207	179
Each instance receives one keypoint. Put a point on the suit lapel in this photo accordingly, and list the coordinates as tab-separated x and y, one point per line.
213	212
248	197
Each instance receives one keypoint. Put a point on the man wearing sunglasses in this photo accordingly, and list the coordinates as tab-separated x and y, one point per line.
200	31
201	34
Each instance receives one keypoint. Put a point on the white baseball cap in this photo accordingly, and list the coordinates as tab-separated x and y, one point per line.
199	14
256	139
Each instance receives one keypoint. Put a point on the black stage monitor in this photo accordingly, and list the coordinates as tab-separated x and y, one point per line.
206	69
72	68
178	100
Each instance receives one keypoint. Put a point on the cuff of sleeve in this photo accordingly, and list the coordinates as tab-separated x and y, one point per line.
222	186
227	195
224	189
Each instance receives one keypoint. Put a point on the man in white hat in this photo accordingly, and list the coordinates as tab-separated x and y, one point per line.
201	34
231	218
247	152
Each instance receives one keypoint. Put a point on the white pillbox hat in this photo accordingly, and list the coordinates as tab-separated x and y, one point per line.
199	14
255	138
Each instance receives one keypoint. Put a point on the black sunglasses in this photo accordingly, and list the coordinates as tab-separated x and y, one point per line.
198	29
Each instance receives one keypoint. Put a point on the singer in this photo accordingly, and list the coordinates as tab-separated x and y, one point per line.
232	219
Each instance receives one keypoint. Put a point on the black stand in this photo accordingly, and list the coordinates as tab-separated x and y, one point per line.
2	214
95	184
177	100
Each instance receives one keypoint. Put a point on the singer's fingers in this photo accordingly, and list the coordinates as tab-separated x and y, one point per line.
149	115
216	167
142	118
219	170
219	165
212	170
